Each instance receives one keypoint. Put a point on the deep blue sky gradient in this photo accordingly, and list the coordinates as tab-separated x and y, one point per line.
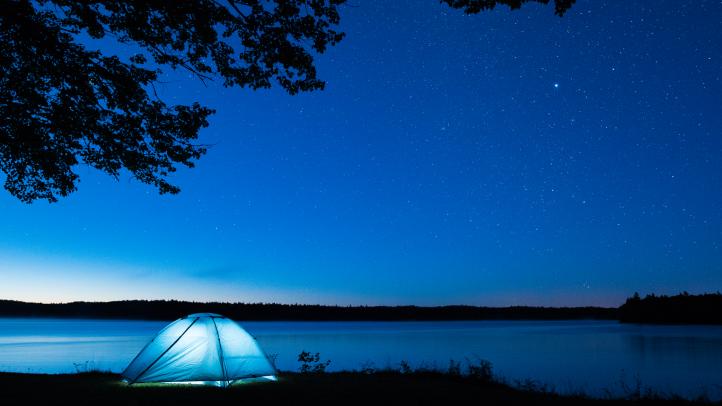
496	159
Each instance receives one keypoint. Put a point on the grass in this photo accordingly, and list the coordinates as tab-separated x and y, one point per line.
338	388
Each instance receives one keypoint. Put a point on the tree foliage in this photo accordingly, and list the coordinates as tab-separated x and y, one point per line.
476	6
63	104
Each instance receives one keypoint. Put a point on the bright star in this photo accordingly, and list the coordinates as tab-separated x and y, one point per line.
556	85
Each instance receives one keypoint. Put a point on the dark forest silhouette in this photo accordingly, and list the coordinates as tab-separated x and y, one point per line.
63	104
171	309
680	309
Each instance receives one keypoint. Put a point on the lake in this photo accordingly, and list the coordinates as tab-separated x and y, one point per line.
591	356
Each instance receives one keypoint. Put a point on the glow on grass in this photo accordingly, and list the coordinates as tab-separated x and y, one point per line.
219	384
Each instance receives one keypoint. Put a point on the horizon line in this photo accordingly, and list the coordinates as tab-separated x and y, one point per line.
306	304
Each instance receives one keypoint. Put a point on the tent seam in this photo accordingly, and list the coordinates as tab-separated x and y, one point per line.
164	352
220	350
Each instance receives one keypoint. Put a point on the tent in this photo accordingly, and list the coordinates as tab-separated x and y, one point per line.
202	348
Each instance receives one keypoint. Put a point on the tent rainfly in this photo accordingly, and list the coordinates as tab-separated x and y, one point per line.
202	348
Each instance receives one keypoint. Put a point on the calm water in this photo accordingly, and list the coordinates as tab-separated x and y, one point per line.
592	356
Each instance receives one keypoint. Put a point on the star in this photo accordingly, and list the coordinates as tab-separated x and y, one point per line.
556	85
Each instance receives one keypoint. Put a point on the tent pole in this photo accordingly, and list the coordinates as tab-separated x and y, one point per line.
220	355
146	346
166	350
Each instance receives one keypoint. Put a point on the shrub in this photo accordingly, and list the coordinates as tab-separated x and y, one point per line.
481	370
454	368
311	363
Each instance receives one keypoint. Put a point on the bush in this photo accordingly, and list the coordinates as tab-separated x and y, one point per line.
454	368
311	363
481	370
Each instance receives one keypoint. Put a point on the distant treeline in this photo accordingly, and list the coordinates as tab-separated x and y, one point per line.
680	309
171	310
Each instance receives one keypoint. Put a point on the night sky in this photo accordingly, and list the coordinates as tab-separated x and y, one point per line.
509	157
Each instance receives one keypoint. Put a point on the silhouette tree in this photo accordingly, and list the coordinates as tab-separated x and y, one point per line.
683	308
476	6
63	104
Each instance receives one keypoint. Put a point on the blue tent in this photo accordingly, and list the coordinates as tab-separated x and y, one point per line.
203	348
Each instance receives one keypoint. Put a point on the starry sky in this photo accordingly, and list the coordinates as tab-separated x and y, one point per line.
509	157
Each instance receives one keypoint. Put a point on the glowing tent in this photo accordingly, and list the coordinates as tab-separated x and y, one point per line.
202	348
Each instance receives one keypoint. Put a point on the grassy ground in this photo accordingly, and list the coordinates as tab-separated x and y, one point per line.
380	388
